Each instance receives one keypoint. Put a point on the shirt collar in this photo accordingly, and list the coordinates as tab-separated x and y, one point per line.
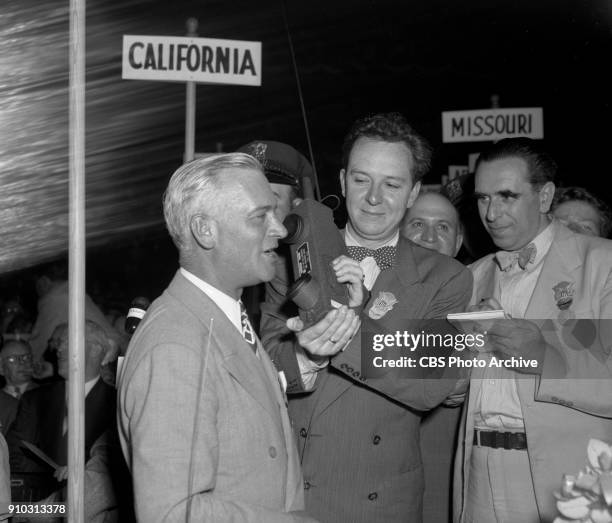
226	303
10	389
542	242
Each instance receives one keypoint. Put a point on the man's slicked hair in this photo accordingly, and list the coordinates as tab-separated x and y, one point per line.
390	127
541	168
193	185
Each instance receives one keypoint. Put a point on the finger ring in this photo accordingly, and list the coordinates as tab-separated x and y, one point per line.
332	340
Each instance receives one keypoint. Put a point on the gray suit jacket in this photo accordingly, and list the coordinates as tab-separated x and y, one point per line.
358	437
203	421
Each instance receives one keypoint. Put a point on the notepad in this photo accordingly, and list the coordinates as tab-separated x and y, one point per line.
497	314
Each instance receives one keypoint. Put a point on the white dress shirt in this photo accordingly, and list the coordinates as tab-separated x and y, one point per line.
229	306
11	390
368	265
497	405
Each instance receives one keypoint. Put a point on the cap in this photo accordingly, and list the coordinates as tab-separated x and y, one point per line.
282	163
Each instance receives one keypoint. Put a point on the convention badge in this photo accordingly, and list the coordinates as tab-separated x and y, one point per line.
564	294
383	303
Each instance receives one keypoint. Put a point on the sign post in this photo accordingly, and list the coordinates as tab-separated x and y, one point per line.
190	103
191	60
76	249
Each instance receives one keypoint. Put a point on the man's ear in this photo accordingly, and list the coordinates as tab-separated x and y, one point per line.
343	182
414	193
204	231
458	242
546	195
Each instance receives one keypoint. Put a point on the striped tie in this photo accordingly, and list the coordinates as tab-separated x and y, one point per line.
247	331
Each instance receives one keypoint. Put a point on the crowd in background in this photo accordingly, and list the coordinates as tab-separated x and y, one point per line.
33	357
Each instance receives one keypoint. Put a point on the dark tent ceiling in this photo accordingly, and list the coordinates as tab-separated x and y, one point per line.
355	57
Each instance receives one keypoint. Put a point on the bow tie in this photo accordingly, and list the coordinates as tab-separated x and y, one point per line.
384	256
507	259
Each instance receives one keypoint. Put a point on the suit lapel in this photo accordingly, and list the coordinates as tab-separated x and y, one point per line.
329	388
238	358
485	283
98	408
403	284
401	281
52	407
247	369
561	264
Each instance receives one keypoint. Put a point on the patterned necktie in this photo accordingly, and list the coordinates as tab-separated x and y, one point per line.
247	331
507	259
384	256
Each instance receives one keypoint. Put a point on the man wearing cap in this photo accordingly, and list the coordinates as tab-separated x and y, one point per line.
358	436
285	169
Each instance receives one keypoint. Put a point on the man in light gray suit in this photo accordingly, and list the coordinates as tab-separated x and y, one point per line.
203	421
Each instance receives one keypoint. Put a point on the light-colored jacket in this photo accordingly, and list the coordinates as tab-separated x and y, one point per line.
203	421
560	415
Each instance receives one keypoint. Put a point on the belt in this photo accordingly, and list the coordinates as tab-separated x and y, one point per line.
500	440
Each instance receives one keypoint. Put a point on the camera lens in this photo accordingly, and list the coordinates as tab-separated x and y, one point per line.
295	227
304	292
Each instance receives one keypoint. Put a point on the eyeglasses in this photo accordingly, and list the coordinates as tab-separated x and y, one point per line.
24	358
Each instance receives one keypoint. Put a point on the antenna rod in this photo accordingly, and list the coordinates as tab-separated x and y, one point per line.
302	106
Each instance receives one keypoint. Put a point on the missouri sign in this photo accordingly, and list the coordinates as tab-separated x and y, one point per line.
492	124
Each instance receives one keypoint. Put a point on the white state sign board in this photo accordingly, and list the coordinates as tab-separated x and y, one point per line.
185	59
492	124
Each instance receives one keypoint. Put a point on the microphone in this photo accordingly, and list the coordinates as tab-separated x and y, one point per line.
138	307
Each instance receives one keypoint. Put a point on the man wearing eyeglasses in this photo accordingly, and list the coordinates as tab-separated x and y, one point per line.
17	369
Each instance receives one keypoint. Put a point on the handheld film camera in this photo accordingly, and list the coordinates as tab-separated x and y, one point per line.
314	241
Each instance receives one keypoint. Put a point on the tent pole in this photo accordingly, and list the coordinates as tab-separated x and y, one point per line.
76	247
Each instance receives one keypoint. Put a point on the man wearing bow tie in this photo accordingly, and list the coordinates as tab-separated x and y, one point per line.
524	427
358	437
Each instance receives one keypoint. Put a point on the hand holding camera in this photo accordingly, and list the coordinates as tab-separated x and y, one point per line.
329	335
